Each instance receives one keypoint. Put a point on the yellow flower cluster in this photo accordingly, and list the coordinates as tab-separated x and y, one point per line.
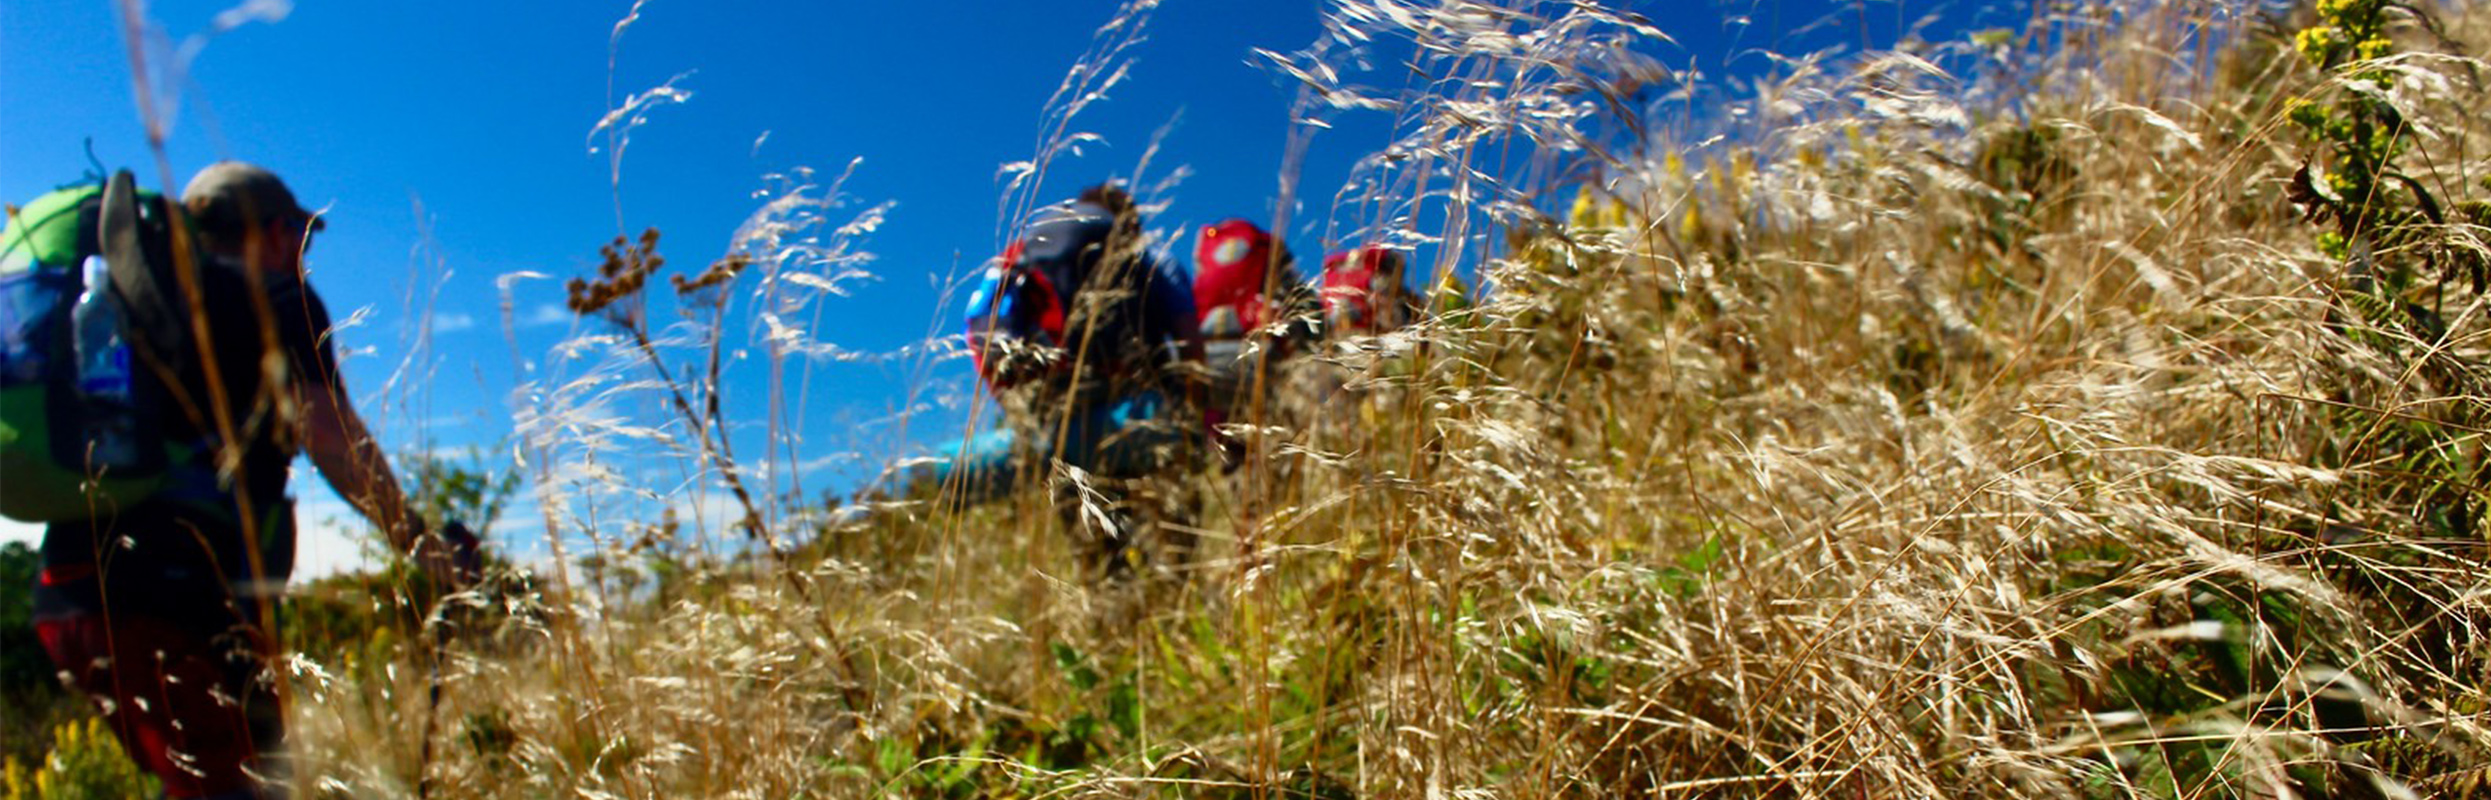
2345	28
2317	42
85	761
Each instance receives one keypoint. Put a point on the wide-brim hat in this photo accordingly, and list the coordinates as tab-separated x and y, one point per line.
235	195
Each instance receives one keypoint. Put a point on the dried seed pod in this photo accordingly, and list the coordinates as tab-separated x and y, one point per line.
623	270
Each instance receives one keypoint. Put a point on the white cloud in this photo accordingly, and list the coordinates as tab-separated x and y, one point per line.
712	513
452	321
544	315
329	537
15	531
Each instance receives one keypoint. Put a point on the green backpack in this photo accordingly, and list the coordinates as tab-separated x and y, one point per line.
48	426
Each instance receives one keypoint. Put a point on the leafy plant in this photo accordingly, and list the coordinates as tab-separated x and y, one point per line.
464	490
85	763
28	686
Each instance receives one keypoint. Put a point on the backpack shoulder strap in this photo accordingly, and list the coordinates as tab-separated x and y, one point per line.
1049	315
136	250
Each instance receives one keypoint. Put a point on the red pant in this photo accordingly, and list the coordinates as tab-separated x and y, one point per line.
196	708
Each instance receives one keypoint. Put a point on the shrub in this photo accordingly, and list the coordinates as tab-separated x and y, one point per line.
85	763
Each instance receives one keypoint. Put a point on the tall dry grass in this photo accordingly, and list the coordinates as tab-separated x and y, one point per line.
1971	419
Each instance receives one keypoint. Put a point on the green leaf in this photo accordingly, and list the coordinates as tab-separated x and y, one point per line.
1124	708
893	757
1075	666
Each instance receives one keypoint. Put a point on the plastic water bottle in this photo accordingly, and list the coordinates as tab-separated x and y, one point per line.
104	370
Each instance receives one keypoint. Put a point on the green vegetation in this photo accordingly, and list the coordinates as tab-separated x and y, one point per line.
81	763
34	698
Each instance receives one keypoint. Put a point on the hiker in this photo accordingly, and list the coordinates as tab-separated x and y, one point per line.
1254	314
1088	344
961	472
162	608
1364	294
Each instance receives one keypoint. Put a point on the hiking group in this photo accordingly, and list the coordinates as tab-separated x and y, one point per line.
163	361
1116	372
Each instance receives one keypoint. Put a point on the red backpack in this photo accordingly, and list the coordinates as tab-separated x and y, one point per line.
1362	291
1232	268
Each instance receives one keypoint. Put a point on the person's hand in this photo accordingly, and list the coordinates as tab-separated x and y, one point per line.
452	557
1231	451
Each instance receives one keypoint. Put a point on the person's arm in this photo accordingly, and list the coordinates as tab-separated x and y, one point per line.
352	462
344	451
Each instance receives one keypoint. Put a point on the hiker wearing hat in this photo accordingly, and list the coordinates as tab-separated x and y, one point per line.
1364	294
1252	310
163	609
1254	314
1090	346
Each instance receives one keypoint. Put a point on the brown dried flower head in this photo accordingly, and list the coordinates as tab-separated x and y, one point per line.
719	273
624	271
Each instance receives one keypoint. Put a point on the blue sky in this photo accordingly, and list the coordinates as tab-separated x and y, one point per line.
449	142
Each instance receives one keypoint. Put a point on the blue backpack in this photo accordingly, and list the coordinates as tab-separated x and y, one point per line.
1031	300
